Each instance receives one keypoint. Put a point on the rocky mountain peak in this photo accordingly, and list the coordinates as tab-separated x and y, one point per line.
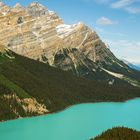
36	4
17	6
4	9
1	4
36	9
40	34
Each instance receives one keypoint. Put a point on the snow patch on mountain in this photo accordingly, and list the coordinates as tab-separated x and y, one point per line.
118	75
65	30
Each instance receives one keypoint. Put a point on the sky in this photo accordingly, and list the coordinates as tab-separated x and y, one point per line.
117	22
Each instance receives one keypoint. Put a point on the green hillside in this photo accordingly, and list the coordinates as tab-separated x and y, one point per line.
119	133
22	78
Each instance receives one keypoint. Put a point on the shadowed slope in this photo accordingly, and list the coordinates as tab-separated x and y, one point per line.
50	87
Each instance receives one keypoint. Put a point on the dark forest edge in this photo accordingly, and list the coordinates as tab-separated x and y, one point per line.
119	133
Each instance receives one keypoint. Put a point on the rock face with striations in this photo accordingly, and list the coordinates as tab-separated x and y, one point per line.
40	34
29	31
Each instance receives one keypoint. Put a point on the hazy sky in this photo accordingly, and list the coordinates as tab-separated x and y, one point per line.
116	21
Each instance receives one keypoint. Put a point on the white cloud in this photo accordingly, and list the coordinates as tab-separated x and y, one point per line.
105	32
125	49
122	3
105	21
126	43
133	10
103	1
99	1
127	5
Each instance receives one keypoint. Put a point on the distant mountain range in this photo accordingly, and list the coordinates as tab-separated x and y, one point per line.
135	66
132	65
46	65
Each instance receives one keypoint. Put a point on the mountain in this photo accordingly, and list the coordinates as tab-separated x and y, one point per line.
29	88
46	66
119	133
135	66
40	34
131	65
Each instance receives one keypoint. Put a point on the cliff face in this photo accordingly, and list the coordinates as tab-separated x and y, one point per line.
29	31
35	31
40	34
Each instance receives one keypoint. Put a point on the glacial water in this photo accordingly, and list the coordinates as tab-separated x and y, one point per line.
79	122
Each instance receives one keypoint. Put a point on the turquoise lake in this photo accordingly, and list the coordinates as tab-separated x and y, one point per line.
79	122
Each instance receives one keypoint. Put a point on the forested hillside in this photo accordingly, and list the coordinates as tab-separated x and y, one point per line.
119	133
29	87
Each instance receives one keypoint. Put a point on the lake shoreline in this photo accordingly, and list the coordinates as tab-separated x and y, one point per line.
60	110
88	120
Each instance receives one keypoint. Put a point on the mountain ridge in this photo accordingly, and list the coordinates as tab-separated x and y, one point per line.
40	34
135	66
46	65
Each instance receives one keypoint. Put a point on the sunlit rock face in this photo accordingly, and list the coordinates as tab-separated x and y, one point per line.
34	31
40	34
29	31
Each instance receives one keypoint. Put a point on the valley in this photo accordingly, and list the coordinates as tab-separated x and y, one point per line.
62	81
49	89
79	122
